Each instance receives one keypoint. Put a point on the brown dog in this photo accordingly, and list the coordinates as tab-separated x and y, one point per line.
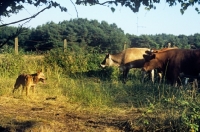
29	80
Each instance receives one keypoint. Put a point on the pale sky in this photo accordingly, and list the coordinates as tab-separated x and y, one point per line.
163	19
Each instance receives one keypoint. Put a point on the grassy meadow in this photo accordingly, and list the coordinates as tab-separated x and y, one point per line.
80	96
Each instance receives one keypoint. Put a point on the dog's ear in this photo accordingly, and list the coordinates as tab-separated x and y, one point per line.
39	71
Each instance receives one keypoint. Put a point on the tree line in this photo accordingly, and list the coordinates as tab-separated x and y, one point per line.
84	34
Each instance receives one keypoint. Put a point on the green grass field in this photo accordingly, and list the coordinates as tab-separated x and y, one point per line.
71	101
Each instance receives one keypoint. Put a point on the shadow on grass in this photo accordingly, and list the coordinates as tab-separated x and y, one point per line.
17	126
135	124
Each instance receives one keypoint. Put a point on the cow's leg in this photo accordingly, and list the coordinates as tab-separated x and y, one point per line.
195	84
144	74
125	75
174	82
186	81
152	75
174	78
160	76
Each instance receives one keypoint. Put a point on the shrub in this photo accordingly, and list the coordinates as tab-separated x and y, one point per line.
11	65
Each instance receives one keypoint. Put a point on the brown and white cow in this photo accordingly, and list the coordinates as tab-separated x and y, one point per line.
127	59
162	50
174	62
153	51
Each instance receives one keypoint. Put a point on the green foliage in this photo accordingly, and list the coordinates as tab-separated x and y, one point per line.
11	65
5	32
136	5
79	32
83	33
169	106
14	6
191	115
90	94
162	107
80	63
9	7
73	63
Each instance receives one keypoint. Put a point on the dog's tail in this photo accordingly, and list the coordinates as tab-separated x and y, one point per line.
16	86
18	82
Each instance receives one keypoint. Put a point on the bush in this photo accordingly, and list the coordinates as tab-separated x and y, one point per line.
11	65
76	64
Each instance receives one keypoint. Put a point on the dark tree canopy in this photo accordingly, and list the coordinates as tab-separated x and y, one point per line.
134	5
8	7
90	34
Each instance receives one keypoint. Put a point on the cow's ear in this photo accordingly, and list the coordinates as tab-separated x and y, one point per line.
148	52
152	50
107	55
146	57
153	56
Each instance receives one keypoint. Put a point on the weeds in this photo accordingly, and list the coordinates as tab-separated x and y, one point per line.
70	76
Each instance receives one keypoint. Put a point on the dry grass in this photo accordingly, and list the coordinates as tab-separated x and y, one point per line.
45	114
65	104
48	110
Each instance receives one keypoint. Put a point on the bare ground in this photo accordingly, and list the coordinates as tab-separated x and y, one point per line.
52	114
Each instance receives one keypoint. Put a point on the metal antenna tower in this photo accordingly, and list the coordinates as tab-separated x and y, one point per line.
139	26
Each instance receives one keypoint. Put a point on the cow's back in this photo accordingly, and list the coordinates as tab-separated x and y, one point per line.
178	61
189	61
133	54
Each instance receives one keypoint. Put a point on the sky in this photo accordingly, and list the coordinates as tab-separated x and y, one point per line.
163	19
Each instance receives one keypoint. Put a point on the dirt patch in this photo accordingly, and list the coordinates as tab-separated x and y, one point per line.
23	115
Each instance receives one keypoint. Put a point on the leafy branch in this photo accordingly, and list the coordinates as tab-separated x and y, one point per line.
26	18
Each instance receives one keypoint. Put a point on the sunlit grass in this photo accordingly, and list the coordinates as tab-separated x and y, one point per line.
160	104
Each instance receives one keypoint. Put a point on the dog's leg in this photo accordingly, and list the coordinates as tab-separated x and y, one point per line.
22	90
26	90
33	89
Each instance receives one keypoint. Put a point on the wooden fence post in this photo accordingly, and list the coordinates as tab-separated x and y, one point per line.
65	45
169	45
16	45
124	45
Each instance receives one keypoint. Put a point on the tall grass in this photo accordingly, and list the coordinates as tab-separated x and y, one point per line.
78	78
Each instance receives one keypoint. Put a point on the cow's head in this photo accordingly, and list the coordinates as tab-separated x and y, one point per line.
149	57
151	51
150	62
107	61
